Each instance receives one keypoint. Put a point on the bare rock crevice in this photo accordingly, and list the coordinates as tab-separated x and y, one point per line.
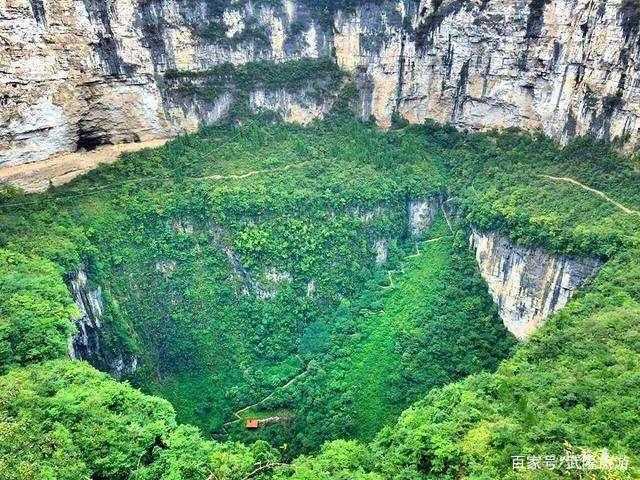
88	343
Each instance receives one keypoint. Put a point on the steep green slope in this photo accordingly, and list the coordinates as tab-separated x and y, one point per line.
65	420
569	394
427	322
430	322
220	255
388	369
288	199
572	390
376	359
35	319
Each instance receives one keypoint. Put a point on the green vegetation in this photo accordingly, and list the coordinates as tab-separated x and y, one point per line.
573	386
433	324
499	183
317	77
35	311
238	265
229	320
65	420
429	332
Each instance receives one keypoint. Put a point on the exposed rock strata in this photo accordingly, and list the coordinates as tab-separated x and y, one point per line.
528	284
381	247
87	344
78	74
567	67
421	213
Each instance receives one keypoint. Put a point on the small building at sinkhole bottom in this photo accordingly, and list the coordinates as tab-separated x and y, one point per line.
252	423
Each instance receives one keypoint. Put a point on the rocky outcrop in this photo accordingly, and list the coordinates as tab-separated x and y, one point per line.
78	74
528	284
87	344
89	301
264	285
381	248
421	213
566	67
297	107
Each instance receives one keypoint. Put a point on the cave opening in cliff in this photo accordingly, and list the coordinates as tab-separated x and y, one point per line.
91	138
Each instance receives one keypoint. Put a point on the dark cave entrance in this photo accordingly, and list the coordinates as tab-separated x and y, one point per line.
90	138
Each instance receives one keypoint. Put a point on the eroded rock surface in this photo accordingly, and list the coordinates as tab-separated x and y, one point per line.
528	284
88	342
79	74
422	212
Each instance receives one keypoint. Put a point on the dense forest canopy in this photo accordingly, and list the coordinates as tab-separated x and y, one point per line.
240	266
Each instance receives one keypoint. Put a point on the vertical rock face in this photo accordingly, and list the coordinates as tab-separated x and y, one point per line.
527	284
73	75
87	343
381	247
298	107
566	67
76	74
421	213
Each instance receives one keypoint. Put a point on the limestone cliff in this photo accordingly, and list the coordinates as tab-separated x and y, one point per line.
566	67
79	74
421	212
528	284
75	74
88	343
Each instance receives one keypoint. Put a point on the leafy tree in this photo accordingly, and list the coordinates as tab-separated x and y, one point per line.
186	456
249	264
35	310
338	460
64	419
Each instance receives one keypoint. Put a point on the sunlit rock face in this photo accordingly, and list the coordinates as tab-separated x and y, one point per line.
422	212
79	74
75	75
381	248
565	67
528	284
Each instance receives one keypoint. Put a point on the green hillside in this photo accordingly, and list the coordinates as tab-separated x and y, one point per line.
238	265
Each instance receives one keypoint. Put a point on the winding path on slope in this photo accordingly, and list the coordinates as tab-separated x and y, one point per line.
237	413
36	177
282	168
606	197
215	177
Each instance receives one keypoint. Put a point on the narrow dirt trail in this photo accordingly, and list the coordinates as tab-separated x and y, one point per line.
237	413
215	177
252	173
601	194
